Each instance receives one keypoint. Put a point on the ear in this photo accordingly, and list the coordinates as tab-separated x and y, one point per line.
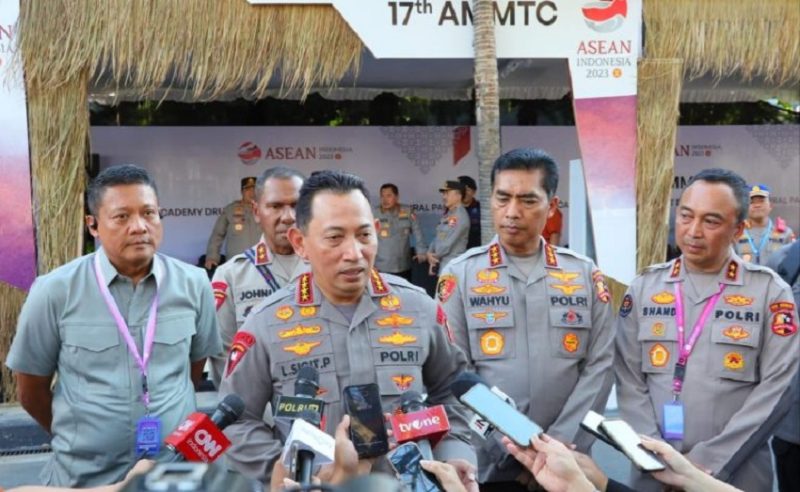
739	230
91	223
297	240
553	206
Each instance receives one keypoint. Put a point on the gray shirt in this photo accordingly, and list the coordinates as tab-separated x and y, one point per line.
395	339
789	429
65	327
452	235
737	380
394	238
236	227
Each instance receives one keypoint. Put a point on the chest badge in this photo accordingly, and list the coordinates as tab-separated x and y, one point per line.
302	348
570	342
397	338
390	302
659	355
490	316
663	297
284	312
733	361
736	332
492	342
394	320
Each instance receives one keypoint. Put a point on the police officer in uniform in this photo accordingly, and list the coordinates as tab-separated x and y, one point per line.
396	222
236	227
534	319
762	236
707	343
452	233
353	324
248	278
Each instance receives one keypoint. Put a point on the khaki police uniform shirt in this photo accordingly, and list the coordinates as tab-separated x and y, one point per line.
394	239
236	227
65	327
395	339
239	285
546	340
452	235
779	235
737	377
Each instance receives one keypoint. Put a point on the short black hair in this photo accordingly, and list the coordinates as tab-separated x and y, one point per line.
529	159
123	174
338	182
391	186
736	183
468	182
277	172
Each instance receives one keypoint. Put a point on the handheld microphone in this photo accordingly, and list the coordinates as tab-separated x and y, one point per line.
200	438
303	404
419	423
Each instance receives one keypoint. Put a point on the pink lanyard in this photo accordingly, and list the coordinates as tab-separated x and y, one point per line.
122	327
685	348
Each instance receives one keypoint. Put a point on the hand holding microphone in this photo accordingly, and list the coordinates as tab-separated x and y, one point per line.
419	423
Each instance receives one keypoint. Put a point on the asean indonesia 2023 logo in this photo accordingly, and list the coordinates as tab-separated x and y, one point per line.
605	15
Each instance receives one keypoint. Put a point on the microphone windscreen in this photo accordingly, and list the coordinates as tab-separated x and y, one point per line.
411	401
307	382
228	411
463	382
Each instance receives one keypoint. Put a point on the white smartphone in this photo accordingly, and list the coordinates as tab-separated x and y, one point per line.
507	419
631	445
591	424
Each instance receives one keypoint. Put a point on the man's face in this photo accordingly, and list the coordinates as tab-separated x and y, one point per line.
388	198
451	198
706	225
760	208
248	194
275	212
128	225
340	244
469	195
520	209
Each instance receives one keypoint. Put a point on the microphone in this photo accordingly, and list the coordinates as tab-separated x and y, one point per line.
305	445
303	404
302	407
419	423
464	382
200	438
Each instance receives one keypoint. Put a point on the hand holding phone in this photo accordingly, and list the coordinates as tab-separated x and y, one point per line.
367	428
405	460
630	444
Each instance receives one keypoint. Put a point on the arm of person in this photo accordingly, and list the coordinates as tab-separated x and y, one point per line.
595	380
217	238
633	395
452	305
765	406
206	341
420	244
33	356
226	319
457	235
681	473
254	446
445	360
551	463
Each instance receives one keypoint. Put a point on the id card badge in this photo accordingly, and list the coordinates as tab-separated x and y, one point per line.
148	436
673	421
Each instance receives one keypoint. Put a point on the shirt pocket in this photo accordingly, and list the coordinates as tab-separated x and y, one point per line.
570	333
90	356
734	351
491	334
659	340
169	359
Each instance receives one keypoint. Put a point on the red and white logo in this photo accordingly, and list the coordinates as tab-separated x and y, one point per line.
605	15
249	153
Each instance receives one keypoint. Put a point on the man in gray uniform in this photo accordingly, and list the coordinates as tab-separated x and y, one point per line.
353	324
236	227
127	330
762	236
248	278
786	443
533	319
396	223
452	233
706	343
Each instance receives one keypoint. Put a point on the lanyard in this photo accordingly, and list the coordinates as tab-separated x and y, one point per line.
685	348
122	327
764	239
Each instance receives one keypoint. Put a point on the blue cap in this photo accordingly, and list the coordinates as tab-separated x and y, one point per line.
759	190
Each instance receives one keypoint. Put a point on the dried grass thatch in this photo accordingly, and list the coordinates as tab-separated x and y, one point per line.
659	90
727	37
11	300
208	46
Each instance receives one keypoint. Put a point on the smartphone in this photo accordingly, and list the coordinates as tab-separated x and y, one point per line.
631	445
507	419
405	460
591	424
367	428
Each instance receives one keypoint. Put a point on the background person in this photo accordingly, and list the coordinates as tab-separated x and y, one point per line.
396	223
473	208
762	236
452	232
236	227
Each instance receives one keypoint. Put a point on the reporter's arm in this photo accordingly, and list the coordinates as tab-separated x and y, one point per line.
681	472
